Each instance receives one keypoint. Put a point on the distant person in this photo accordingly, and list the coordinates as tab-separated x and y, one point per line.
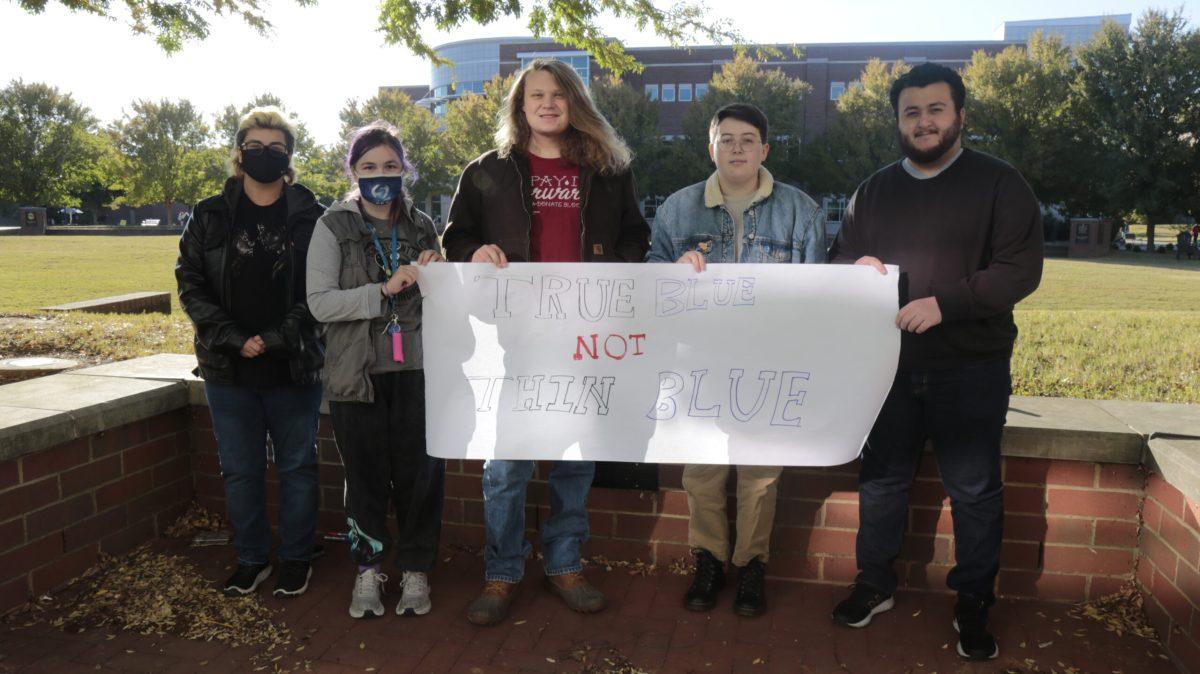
770	222
241	282
966	229
362	275
1183	244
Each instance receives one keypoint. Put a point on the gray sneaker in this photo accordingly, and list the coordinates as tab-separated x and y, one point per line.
415	599
365	602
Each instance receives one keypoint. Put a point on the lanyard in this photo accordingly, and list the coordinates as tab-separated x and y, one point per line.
391	264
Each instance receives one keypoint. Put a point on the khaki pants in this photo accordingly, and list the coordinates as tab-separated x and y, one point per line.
757	488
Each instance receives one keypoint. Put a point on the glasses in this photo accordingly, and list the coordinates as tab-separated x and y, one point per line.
730	144
254	148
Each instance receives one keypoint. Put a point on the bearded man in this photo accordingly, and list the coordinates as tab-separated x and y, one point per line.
965	230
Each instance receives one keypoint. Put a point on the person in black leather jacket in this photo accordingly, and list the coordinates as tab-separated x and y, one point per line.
241	272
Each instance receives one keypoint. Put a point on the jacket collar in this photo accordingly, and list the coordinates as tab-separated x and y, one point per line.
297	197
362	229
714	198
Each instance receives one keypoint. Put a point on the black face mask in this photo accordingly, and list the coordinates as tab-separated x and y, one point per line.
264	166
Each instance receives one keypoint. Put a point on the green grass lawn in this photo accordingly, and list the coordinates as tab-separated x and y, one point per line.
1125	327
1163	234
37	271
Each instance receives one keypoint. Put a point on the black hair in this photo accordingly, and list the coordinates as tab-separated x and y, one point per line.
743	112
925	75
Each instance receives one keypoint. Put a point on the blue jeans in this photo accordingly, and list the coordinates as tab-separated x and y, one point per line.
962	411
563	534
243	418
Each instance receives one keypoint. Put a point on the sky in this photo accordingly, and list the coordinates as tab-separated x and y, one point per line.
318	57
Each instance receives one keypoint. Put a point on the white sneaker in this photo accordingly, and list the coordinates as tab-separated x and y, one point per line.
365	602
415	599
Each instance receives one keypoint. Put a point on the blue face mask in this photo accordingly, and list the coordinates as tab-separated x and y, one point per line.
381	190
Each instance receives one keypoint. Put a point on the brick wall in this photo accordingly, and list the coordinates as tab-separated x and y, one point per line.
1070	527
1168	571
106	492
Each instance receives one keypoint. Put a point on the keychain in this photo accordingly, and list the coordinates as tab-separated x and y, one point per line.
393	329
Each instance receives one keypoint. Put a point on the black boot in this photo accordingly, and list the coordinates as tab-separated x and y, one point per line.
751	600
709	580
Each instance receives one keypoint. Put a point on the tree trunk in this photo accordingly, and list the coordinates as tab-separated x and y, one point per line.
1150	233
169	220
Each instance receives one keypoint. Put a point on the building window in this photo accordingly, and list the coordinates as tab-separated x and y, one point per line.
668	93
650	206
468	88
581	62
701	89
652	92
685	93
835	208
836	89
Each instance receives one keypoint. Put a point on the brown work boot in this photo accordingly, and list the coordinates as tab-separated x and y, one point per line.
579	594
491	606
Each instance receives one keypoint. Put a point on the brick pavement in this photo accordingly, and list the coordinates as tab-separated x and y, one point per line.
644	624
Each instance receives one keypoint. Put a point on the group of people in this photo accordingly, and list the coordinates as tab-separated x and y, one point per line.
293	303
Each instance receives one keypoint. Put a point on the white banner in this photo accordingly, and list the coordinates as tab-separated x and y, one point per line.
770	364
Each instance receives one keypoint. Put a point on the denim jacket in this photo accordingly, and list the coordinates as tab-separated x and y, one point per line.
782	224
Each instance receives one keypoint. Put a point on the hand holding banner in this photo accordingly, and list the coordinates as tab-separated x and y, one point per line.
741	364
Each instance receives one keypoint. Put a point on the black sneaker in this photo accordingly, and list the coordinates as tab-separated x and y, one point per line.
293	578
751	599
246	579
864	603
970	621
709	580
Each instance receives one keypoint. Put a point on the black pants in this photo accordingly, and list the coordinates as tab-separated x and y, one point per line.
962	411
383	452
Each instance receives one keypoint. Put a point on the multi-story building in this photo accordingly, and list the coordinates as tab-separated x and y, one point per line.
677	78
1074	31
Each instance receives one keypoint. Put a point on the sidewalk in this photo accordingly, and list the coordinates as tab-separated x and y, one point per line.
643	629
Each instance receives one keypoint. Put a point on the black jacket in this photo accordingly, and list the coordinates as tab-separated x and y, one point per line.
202	272
494	204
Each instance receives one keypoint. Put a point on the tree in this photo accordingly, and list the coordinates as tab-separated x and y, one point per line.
471	120
165	159
860	139
43	142
1017	111
170	22
225	125
321	171
780	97
1139	94
100	184
571	22
419	130
635	118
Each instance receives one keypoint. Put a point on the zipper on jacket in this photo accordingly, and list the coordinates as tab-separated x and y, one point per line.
525	194
582	220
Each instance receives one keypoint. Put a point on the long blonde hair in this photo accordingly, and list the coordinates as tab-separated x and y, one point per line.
589	140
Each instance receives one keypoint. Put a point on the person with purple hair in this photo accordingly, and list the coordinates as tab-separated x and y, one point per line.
362	284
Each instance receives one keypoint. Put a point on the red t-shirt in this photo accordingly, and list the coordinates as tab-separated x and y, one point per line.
554	235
